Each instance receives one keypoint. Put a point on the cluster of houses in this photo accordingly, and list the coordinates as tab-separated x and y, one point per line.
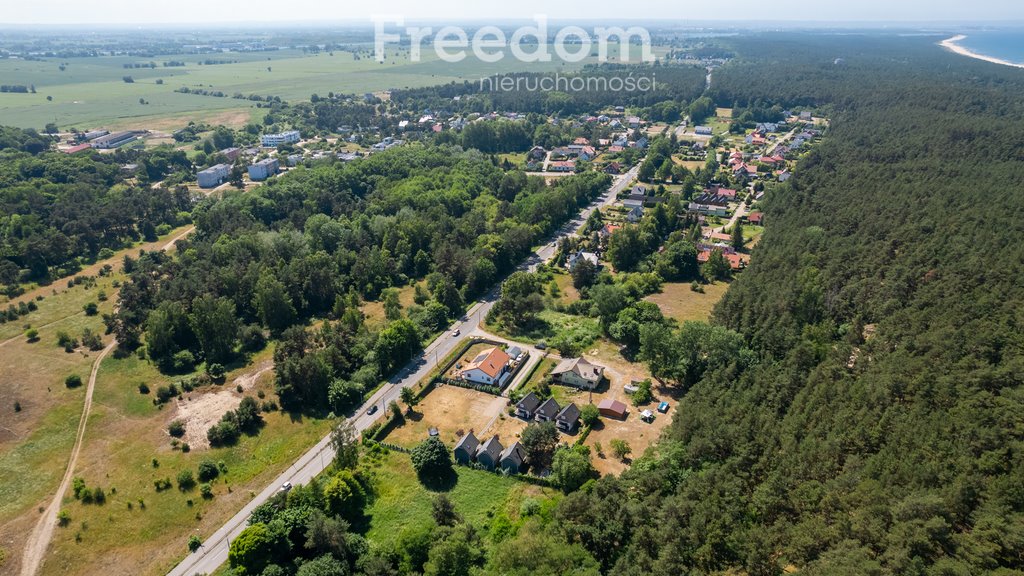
531	408
713	201
490	455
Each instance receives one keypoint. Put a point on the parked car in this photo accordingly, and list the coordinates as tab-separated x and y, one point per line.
542	345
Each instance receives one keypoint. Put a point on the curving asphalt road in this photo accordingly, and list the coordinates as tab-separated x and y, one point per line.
214	550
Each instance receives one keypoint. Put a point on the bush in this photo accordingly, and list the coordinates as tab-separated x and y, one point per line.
176	428
98	496
224	433
143	388
183	361
194	543
185	447
78	487
32	335
162	484
63	518
186	481
17	406
206	490
91	309
216	371
589	414
73	381
208	471
66	341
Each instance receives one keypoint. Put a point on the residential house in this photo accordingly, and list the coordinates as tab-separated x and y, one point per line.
465	448
231	153
636	212
783	175
581	141
613	168
736	261
547	411
512	458
607	231
612	409
578	257
536	153
634	122
568	418
578	373
641	143
526	407
213	176
488	454
562	166
488	368
755	218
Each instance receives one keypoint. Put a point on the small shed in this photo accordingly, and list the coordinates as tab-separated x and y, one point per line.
663	407
612	409
647	416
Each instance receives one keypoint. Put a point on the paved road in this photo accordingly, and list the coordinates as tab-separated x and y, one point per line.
214	550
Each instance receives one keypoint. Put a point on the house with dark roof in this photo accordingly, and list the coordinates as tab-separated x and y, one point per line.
568	418
547	411
578	373
526	407
465	449
488	454
513	458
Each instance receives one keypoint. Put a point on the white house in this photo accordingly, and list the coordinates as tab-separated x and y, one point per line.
488	368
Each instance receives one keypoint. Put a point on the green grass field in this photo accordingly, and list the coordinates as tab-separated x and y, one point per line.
402	501
90	92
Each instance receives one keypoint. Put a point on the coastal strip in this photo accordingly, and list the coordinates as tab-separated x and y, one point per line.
951	44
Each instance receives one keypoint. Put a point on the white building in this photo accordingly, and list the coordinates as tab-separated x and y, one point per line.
275	140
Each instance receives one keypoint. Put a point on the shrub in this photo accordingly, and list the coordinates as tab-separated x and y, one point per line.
183	361
208	471
17	406
32	335
143	388
185	447
176	428
63	518
66	341
98	496
162	484
589	414
194	543
78	487
206	490
91	309
73	381
216	371
186	481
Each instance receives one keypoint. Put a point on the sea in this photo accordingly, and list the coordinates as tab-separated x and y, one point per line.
1003	44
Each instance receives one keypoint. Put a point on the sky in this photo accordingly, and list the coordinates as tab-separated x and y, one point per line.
325	11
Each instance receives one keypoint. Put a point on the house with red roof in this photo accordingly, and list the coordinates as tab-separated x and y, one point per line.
488	367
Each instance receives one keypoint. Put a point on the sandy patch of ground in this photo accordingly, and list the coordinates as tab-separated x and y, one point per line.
202	412
453	411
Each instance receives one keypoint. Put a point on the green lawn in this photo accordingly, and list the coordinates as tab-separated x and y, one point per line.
402	501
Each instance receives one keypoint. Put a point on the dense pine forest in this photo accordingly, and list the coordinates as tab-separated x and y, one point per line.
880	430
59	211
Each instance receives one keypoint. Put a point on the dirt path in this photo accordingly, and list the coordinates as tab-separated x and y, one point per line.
39	539
170	243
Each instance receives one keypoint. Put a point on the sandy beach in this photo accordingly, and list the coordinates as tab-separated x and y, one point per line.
951	44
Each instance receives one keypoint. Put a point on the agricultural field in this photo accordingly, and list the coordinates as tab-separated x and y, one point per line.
91	92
